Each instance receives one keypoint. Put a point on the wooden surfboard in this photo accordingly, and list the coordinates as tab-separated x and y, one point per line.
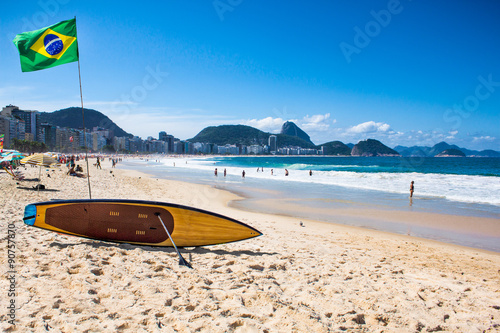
137	222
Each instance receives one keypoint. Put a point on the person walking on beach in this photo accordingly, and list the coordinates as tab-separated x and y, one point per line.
98	164
412	188
71	163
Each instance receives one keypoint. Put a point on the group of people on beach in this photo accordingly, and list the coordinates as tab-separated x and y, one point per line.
73	169
215	172
260	169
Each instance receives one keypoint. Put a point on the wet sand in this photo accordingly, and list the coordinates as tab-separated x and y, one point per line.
473	225
472	231
319	277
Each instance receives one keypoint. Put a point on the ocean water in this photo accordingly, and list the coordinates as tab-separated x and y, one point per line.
456	186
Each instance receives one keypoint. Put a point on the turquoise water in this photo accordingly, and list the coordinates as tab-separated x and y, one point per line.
457	186
464	180
426	165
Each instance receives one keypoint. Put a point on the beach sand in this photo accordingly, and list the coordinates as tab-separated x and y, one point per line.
321	277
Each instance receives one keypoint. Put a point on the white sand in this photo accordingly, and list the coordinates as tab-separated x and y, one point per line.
318	278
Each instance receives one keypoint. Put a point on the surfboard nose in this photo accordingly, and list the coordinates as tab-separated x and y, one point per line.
29	214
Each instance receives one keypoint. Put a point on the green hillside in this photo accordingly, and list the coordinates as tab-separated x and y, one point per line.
451	152
245	135
372	147
72	118
336	148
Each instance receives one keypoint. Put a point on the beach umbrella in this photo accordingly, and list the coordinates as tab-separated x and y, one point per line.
39	159
11	157
9	151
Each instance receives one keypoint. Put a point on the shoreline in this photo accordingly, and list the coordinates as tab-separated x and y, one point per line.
481	232
321	277
228	200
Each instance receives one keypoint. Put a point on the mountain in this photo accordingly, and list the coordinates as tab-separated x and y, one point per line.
231	134
440	147
482	153
399	148
72	118
487	153
336	148
245	135
288	141
416	151
372	147
421	151
289	128
451	153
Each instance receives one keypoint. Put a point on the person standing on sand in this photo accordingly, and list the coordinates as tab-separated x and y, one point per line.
412	188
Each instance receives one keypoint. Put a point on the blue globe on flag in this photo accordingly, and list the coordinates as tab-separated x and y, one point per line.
53	44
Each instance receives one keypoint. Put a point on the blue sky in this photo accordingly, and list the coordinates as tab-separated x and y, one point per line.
403	72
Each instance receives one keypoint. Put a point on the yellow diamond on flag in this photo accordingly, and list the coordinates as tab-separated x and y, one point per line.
52	44
48	47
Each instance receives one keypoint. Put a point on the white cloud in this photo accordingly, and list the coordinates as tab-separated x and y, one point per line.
451	135
268	124
369	127
486	138
318	122
310	124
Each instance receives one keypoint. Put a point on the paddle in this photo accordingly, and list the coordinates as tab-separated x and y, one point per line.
182	261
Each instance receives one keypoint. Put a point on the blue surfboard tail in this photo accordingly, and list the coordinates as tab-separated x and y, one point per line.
29	214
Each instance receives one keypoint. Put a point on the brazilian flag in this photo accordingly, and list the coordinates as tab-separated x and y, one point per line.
48	47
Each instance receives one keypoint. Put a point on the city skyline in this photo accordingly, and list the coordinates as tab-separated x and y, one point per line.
402	72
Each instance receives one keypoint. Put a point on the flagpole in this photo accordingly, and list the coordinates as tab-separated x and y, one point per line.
84	131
